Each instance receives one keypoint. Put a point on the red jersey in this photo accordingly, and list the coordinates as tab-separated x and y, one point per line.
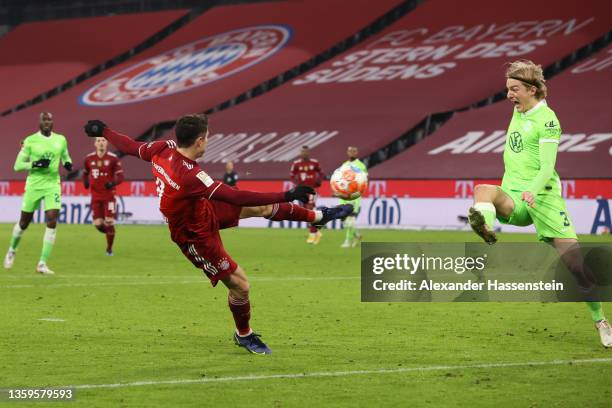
185	190
102	170
306	172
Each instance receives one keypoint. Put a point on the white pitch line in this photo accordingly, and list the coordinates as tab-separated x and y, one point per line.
199	281
51	319
339	373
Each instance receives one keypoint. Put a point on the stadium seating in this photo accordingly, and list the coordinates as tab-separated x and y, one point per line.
266	38
436	58
470	145
37	57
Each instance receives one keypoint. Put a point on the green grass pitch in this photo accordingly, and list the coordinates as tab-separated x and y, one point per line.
144	328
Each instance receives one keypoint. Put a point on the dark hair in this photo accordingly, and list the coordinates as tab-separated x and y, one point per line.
189	128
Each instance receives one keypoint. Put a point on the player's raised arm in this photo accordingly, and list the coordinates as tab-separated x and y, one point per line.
97	128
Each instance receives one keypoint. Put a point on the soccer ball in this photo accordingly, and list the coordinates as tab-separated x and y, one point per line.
349	182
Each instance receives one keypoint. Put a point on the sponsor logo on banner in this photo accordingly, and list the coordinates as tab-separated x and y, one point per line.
602	222
567	188
464	188
137	188
385	211
5	187
68	188
377	188
190	66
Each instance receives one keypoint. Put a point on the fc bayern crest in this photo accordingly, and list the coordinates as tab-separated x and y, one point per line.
189	66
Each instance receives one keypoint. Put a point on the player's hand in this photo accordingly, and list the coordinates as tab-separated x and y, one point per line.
528	198
301	193
41	164
68	166
95	128
109	185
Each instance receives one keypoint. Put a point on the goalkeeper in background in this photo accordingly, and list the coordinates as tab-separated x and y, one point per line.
40	156
531	190
352	237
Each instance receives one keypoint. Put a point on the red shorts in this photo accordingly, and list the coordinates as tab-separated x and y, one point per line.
103	209
227	214
207	253
210	256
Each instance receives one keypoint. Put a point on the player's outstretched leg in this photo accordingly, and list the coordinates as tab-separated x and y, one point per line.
333	213
292	212
571	256
240	306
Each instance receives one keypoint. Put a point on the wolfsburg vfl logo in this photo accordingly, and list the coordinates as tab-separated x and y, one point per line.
190	66
516	142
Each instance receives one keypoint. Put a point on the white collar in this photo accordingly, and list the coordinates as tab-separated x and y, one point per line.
535	108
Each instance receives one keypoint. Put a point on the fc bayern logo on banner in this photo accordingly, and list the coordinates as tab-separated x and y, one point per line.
189	66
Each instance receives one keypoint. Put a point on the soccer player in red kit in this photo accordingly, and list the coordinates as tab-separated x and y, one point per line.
196	207
102	172
307	172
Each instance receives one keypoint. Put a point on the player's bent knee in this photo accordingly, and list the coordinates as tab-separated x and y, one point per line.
485	192
98	222
109	222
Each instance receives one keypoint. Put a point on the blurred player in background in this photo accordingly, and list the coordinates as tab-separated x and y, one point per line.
196	207
40	155
352	237
307	172
230	177
531	189
102	172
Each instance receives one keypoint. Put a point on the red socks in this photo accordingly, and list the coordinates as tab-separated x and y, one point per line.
291	212
241	310
110	237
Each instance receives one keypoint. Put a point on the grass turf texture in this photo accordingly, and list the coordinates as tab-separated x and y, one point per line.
147	315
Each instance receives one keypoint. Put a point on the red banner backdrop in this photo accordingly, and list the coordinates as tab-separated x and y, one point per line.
471	144
437	58
37	57
219	55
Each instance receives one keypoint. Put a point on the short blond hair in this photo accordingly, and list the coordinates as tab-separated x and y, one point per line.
529	73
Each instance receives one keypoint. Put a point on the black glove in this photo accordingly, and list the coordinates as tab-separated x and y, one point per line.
95	128
68	166
109	185
41	164
86	183
299	193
